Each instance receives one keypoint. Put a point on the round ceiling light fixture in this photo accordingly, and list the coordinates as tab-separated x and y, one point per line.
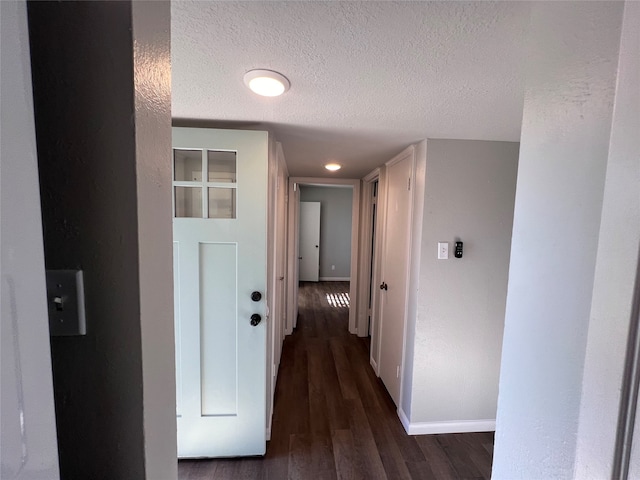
332	167
266	82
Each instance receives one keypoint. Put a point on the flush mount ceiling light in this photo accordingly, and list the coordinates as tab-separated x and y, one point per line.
266	82
332	167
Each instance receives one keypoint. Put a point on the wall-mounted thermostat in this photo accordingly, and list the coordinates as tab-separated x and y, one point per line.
458	250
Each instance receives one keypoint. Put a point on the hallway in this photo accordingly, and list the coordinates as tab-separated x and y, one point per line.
334	419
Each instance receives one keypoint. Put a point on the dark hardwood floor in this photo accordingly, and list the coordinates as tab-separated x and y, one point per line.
334	419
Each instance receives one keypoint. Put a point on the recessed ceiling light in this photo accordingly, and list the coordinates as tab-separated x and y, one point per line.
333	166
266	82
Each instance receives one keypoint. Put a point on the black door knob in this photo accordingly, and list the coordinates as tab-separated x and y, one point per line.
256	296
383	286
255	319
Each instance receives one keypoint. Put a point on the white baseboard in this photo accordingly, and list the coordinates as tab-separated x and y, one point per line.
455	426
334	279
404	420
374	365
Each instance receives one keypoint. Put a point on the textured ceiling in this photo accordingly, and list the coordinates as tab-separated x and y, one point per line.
367	78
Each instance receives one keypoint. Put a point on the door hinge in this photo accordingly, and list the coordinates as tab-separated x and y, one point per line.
398	371
409	184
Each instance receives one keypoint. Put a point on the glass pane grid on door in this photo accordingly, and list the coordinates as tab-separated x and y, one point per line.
215	197
187	165
188	202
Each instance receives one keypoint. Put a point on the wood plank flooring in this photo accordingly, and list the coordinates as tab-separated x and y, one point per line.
334	419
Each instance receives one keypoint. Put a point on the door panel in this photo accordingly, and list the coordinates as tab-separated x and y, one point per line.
221	370
218	328
395	264
309	241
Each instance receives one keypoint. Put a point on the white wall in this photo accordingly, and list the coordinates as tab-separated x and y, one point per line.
335	228
616	263
453	366
569	92
26	385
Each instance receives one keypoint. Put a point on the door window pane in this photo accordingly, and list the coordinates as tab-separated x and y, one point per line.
222	203
221	166
188	201
187	165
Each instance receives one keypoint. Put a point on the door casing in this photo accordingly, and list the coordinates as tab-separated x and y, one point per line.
292	244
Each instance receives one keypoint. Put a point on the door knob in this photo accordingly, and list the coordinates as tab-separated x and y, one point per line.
383	286
256	296
255	319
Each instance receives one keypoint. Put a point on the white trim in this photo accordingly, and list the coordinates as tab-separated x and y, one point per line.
292	257
404	419
326	182
374	365
371	176
366	281
407	153
453	426
413	283
268	433
381	221
334	279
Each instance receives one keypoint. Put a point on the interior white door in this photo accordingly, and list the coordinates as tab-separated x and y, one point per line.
309	241
219	228
395	267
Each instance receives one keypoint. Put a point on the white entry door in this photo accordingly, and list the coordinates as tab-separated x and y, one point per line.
395	269
309	241
219	232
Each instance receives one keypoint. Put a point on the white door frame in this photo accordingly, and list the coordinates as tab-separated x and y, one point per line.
367	263
419	152
292	244
276	259
409	152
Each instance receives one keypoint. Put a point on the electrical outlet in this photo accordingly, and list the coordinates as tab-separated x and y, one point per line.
333	267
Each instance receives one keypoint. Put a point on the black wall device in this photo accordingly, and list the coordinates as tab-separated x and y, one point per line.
458	251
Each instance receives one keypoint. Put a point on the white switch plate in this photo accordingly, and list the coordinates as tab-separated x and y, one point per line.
443	250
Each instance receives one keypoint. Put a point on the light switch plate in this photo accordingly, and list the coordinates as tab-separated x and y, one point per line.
443	250
65	303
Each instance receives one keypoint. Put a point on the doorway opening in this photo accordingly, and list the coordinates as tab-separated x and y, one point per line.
323	247
368	291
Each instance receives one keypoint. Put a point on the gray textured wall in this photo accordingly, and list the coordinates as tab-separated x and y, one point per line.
569	95
615	274
469	195
102	203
